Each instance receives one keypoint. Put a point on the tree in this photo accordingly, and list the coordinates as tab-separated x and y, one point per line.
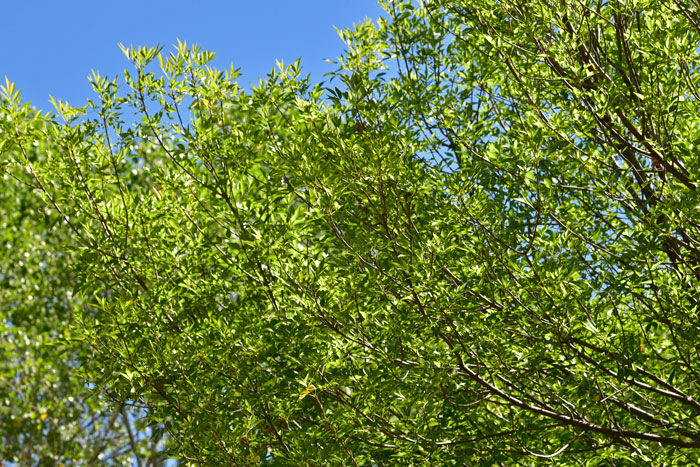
482	247
48	416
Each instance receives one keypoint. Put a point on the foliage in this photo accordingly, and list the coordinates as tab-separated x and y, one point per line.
47	414
481	248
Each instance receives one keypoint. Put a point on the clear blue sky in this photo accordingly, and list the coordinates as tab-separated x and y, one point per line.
49	47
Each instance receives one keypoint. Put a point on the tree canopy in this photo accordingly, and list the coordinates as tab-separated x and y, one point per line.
48	414
478	243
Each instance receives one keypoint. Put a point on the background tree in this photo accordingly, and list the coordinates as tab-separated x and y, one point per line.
481	248
48	415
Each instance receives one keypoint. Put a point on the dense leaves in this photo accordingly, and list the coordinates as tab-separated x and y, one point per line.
48	415
481	247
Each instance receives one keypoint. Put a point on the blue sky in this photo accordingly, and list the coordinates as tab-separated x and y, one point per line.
49	47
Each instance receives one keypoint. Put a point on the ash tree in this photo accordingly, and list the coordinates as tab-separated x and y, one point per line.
477	244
